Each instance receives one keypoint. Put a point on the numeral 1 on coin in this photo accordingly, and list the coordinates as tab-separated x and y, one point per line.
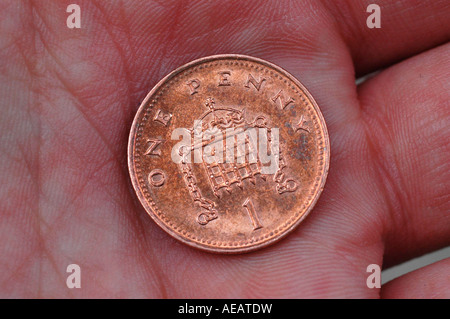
248	205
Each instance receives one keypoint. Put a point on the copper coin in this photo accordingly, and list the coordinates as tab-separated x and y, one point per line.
228	153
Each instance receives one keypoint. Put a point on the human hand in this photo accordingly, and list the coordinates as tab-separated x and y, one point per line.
68	98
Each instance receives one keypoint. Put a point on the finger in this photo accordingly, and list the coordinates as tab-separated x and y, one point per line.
407	28
432	281
407	112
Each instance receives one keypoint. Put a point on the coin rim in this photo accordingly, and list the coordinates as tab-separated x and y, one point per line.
144	200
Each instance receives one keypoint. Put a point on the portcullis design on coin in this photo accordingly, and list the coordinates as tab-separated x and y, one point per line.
228	153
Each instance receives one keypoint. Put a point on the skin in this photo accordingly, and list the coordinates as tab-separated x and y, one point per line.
68	98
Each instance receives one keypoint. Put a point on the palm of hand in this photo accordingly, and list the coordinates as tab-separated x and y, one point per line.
68	98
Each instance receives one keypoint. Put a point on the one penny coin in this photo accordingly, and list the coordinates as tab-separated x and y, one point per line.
228	153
